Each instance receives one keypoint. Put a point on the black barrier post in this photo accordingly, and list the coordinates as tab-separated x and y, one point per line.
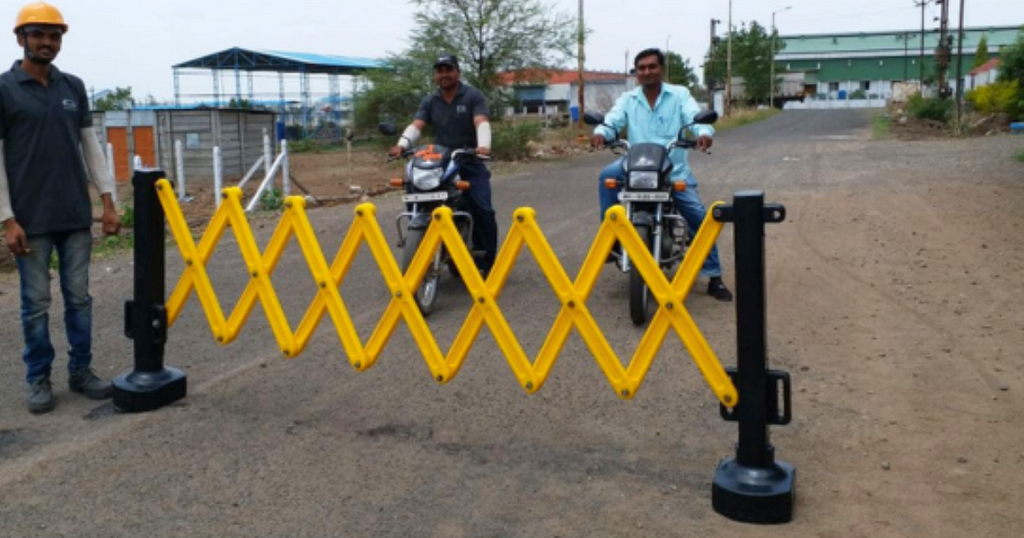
150	385
753	487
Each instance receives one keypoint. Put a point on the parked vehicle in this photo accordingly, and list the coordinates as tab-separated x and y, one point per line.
431	180
646	196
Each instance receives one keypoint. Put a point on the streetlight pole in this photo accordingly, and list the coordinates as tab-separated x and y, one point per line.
771	98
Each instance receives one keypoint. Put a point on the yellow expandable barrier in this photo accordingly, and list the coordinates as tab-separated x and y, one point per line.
670	296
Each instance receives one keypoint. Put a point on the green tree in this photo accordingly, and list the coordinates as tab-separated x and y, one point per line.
492	36
394	93
982	55
1011	71
1011	60
679	70
752	54
116	99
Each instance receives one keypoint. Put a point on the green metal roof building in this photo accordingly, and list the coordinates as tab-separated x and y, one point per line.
873	61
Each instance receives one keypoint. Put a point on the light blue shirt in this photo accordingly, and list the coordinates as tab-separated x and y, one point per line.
674	108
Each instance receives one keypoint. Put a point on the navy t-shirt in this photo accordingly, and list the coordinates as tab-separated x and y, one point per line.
41	130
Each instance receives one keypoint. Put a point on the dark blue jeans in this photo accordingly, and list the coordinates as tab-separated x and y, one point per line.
74	250
478	198
687	203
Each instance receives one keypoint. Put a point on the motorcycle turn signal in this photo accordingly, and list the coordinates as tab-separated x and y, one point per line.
397	182
679	186
462	185
611	183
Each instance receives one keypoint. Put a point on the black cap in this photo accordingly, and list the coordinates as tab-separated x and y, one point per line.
449	59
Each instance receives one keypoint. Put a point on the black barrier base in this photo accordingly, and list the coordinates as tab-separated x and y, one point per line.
137	392
754	495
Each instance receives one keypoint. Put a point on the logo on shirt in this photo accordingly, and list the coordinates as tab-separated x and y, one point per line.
460	109
71	105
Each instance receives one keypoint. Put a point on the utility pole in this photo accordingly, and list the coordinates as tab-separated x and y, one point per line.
668	61
580	56
920	60
942	53
710	82
959	70
728	67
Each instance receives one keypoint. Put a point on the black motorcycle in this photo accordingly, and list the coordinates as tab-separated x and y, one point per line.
431	180
647	197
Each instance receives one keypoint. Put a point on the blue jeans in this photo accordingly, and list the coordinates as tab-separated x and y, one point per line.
687	203
74	250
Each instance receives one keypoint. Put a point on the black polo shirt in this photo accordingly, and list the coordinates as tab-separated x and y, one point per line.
41	130
453	122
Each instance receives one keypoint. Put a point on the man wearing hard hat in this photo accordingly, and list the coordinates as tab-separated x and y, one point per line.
45	130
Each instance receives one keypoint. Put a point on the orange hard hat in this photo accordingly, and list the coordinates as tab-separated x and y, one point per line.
40	13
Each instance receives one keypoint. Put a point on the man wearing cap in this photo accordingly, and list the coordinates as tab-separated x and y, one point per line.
45	129
459	115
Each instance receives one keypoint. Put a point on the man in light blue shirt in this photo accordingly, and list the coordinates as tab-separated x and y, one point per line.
654	113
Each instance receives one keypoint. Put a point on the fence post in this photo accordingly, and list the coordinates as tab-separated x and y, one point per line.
110	169
179	164
754	487
286	174
218	176
150	385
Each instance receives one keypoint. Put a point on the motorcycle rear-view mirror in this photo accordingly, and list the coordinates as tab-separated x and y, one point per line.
706	117
386	128
593	118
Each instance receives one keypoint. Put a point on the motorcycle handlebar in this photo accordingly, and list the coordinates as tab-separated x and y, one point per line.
406	153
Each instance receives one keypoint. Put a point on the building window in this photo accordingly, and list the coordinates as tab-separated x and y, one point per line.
865	85
833	86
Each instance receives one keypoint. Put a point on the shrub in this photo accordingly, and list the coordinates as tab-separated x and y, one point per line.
993	98
510	140
926	108
271	200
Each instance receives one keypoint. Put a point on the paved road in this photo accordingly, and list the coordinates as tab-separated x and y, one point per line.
264	446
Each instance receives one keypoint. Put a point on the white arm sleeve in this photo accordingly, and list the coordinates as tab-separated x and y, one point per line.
96	162
409	137
483	135
5	195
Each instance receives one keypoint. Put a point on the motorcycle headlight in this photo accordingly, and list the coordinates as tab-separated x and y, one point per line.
426	180
643	180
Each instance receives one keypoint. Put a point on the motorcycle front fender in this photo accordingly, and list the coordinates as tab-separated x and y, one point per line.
420	221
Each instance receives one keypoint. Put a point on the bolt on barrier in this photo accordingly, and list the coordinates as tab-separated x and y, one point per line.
739	488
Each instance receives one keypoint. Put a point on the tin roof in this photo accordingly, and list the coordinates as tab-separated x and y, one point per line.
280	62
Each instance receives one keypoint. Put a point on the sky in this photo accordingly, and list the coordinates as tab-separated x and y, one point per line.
119	43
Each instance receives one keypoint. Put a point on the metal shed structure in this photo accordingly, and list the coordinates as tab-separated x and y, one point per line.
151	135
244	64
873	61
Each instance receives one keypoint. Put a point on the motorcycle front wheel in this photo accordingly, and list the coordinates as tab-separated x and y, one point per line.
426	294
639	294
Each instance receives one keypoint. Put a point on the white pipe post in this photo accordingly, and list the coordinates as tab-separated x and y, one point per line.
137	163
268	152
179	161
286	182
267	182
218	176
110	169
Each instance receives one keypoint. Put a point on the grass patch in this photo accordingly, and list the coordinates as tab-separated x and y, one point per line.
111	245
1019	156
881	127
740	118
